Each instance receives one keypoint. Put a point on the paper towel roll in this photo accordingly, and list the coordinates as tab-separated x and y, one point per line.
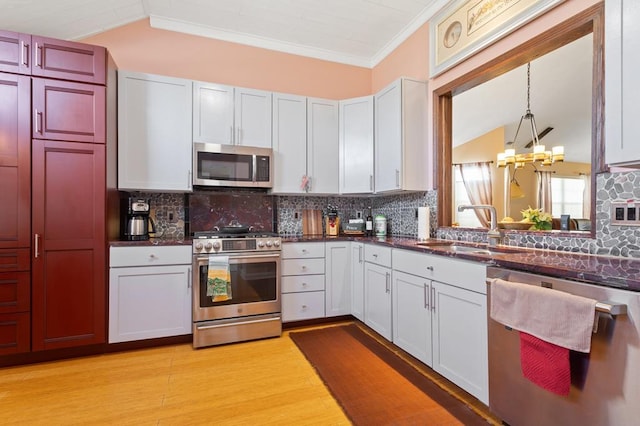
423	223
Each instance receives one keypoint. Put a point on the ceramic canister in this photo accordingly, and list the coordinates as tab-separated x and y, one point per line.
381	226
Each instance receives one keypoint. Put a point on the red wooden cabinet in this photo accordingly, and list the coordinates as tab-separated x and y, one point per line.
15	52
68	111
51	58
15	160
69	259
68	60
15	297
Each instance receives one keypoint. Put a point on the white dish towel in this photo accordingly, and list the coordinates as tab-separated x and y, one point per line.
554	316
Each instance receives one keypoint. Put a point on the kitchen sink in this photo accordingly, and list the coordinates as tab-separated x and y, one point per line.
473	249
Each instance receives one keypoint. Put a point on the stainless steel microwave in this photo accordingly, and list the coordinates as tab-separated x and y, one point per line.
232	165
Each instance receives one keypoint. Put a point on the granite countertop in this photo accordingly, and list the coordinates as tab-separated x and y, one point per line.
151	242
618	272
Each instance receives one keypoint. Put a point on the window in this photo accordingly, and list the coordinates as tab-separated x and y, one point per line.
467	218
567	196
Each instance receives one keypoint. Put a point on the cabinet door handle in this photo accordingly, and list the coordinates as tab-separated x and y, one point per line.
387	286
426	296
231	135
239	136
371	182
24	53
36	246
433	299
189	180
360	254
397	178
38	54
189	277
37	120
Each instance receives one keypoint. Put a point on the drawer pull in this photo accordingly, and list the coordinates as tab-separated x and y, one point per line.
304	306
430	268
304	284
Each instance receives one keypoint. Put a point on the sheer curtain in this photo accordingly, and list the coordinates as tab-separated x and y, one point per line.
477	182
544	191
586	196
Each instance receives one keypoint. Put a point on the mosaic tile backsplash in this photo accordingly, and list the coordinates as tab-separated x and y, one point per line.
282	214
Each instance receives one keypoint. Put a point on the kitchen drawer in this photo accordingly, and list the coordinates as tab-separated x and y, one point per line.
15	292
150	256
377	254
302	306
15	333
412	262
465	274
299	283
302	266
302	250
14	260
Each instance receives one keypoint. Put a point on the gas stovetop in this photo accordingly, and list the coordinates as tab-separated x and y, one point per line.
216	242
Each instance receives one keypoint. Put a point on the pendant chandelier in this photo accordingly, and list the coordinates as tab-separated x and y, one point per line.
539	155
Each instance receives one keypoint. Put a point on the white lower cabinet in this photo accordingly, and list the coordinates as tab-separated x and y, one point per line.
412	315
337	278
377	289
440	316
459	327
303	281
357	280
149	292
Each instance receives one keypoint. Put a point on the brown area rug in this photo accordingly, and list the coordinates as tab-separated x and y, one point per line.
373	385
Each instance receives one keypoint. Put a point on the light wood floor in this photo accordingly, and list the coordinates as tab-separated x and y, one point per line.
265	382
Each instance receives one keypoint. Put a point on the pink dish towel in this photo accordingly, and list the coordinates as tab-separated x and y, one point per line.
545	364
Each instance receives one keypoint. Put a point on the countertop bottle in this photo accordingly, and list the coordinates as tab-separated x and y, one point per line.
369	224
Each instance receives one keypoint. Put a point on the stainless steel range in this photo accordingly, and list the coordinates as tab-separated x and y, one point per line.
236	287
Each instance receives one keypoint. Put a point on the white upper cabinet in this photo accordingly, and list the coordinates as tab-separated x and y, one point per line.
356	145
213	113
154	132
401	155
622	44
253	117
322	146
231	115
289	143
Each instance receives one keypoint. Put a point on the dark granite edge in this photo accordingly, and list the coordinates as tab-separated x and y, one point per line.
606	271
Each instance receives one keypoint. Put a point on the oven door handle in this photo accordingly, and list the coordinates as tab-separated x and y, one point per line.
236	323
232	258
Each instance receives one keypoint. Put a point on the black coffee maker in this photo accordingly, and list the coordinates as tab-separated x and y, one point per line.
137	224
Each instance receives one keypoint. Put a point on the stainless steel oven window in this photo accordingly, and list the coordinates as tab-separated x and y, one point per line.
255	285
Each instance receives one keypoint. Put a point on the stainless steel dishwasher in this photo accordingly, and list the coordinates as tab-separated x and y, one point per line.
605	383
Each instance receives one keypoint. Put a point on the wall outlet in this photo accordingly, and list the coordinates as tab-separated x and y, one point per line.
359	214
626	213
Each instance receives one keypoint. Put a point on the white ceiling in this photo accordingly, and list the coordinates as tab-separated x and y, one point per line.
357	32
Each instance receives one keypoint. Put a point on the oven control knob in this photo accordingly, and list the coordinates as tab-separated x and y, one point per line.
216	245
199	246
269	243
261	244
276	243
208	246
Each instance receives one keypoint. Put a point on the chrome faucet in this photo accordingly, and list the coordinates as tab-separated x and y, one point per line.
494	235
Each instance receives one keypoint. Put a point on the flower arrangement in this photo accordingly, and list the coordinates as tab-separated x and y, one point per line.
541	220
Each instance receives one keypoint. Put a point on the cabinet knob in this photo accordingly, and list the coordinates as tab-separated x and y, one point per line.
430	268
304	306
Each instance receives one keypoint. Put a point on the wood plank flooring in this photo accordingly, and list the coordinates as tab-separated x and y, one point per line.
265	382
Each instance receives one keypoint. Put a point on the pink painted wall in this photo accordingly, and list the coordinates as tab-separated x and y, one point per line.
138	47
410	59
